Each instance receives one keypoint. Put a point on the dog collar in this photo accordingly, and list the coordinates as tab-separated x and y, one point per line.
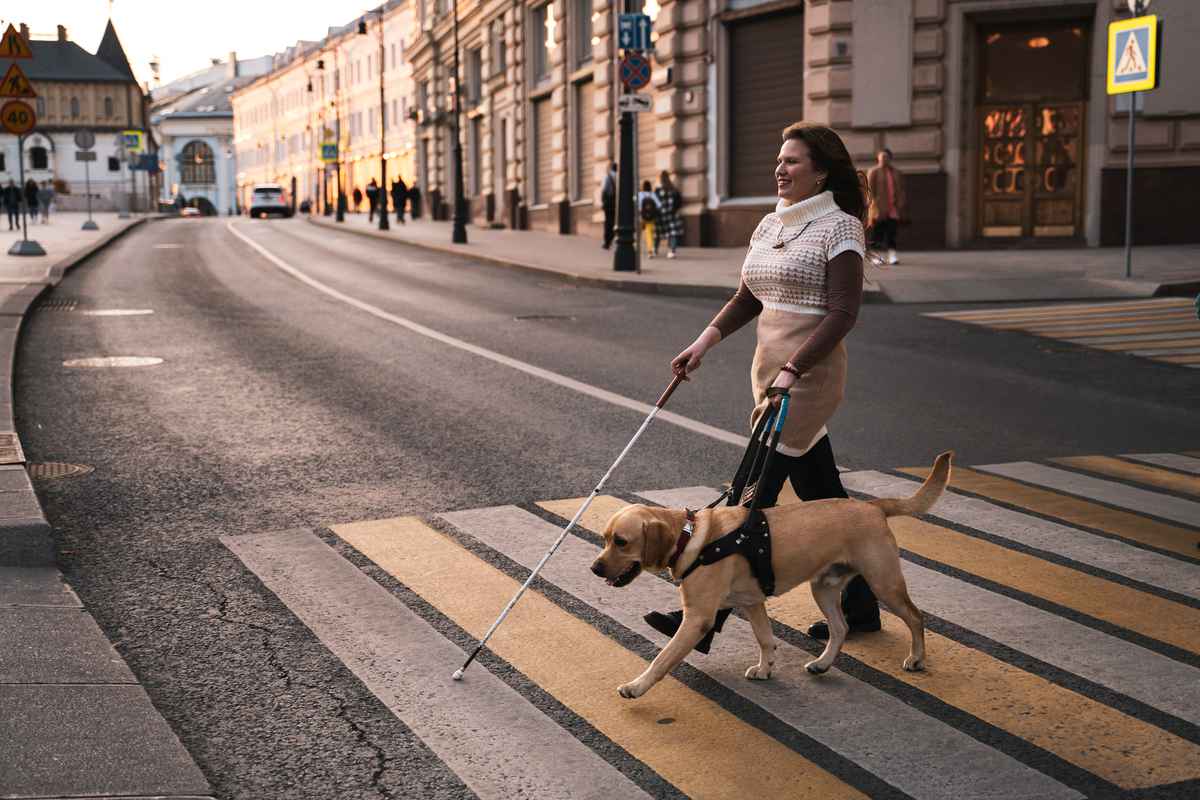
685	536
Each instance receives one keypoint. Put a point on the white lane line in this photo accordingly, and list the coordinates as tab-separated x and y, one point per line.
902	746
496	741
1176	509
1052	537
695	426
1168	460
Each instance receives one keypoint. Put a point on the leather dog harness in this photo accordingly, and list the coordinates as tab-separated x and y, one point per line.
752	540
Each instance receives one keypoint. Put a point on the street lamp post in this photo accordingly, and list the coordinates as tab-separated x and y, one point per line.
337	113
459	235
325	209
381	196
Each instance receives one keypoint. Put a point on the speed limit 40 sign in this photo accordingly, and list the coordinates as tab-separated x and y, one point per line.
17	117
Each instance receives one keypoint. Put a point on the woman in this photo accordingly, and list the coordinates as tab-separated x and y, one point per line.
802	279
670	224
648	208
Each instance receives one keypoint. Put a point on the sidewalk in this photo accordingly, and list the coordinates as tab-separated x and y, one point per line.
945	276
76	722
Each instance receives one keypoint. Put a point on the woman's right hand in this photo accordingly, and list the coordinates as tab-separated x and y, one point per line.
689	359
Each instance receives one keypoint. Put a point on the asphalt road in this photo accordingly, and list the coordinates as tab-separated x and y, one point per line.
278	406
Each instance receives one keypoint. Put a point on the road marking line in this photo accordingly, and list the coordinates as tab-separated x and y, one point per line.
581	668
1160	346
1103	339
1137	473
1036	323
495	740
1100	322
687	423
1054	311
1081	731
1179	359
1073	510
1102	330
1168	460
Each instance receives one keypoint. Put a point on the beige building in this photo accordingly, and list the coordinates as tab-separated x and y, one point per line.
332	85
996	110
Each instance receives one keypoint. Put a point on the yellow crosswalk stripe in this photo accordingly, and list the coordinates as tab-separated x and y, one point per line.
1101	740
1192	359
1080	513
581	668
1138	473
985	315
1148	344
1164	327
1049	325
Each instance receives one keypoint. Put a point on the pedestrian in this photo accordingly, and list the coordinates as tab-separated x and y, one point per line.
45	199
608	200
372	199
802	279
399	198
31	199
670	224
888	204
12	204
358	196
647	203
414	200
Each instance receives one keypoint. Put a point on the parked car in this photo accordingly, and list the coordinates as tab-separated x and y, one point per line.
189	211
269	198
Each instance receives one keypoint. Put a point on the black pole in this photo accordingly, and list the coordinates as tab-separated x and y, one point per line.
624	256
382	195
459	235
337	111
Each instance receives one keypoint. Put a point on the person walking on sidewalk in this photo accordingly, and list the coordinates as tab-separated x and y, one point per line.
357	195
12	204
372	199
399	198
888	203
802	279
608	200
45	199
648	209
31	199
670	224
414	200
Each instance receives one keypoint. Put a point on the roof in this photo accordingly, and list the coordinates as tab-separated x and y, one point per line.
111	52
207	101
67	61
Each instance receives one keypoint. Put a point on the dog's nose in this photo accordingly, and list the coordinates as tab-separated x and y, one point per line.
597	569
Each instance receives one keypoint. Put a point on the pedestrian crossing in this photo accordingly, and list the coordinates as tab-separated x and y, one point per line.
1163	329
1063	612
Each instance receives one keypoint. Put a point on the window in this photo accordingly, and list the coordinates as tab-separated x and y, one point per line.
3	165
474	174
113	164
74	108
39	158
584	184
368	67
393	56
41	107
499	53
395	113
582	46
474	77
423	97
539	31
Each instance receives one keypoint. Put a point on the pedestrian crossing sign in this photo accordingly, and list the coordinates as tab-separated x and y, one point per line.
1133	55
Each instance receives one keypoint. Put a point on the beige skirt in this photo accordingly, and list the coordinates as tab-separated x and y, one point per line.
814	397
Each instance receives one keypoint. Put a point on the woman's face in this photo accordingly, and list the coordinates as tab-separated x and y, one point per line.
795	176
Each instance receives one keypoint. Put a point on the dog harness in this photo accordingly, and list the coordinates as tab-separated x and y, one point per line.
752	540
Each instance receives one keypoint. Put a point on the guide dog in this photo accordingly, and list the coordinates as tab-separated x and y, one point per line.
826	542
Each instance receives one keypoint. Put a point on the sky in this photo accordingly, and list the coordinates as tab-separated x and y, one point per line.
185	36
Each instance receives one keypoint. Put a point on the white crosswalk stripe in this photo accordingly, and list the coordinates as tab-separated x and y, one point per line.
1168	460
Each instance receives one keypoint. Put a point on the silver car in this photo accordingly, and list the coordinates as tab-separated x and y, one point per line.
269	198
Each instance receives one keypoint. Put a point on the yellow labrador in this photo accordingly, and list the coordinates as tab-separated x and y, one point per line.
825	541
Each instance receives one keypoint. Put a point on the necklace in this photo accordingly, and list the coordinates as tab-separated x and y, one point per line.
780	243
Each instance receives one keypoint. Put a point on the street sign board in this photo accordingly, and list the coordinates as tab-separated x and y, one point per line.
635	103
13	45
15	84
635	71
633	32
85	139
329	152
1133	55
18	117
85	155
133	141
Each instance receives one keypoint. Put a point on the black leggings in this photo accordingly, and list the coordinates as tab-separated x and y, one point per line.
814	476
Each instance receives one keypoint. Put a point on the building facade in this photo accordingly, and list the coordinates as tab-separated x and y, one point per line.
77	90
328	91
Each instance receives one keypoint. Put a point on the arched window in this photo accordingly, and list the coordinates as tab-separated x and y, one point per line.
108	107
39	158
196	164
74	108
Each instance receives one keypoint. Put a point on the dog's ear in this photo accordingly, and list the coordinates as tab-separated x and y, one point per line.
657	542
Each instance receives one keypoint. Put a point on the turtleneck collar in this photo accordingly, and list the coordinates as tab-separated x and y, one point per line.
807	209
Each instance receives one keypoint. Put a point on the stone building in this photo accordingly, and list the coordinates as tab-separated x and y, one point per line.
995	109
79	90
331	85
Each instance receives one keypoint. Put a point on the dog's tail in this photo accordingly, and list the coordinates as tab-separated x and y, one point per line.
925	497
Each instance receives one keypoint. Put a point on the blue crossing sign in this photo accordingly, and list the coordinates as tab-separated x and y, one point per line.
1133	55
633	32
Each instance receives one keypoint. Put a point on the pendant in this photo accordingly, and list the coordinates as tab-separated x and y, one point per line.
778	245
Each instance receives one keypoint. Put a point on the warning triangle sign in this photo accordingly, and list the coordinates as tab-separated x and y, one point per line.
1132	61
13	45
15	84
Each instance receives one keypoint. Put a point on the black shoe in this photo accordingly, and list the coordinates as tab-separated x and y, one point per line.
667	624
820	630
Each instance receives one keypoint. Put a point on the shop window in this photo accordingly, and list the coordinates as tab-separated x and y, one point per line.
39	158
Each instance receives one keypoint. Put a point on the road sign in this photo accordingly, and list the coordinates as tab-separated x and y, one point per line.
1137	6
18	117
134	141
13	45
635	103
1133	55
85	139
329	152
635	71
15	84
85	155
633	32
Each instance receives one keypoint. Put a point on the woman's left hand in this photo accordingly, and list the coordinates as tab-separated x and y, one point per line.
785	380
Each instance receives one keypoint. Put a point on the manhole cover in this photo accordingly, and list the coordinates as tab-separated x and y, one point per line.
543	316
113	361
56	469
57	304
10	449
117	312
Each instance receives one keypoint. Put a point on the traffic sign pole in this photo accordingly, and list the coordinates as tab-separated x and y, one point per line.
18	117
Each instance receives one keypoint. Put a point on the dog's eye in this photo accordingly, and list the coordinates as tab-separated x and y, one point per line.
619	542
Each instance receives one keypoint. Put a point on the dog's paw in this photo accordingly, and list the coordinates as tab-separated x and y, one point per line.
816	668
629	691
914	664
757	673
